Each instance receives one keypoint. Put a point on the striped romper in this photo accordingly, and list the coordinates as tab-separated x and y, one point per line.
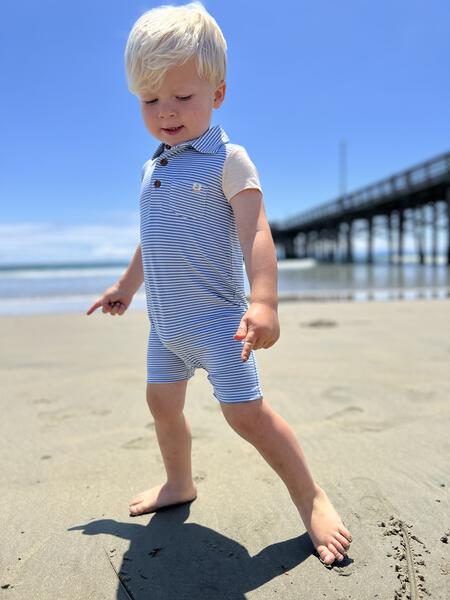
193	264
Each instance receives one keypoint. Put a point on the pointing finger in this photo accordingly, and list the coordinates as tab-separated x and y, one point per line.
94	307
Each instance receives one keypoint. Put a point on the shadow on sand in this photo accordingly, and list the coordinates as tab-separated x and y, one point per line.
169	559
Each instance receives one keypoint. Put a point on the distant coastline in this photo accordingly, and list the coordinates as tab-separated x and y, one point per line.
380	257
38	288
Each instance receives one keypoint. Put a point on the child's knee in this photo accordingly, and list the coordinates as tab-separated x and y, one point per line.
166	400
244	417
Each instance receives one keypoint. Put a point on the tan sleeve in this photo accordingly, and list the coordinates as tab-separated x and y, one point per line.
239	173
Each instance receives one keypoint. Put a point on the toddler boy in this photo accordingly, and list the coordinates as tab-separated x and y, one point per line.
201	215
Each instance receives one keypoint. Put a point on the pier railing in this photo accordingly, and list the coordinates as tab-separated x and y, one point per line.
424	174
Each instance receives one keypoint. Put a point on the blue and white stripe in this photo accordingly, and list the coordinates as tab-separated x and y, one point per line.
193	268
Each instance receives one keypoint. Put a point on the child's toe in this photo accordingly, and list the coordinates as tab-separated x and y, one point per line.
332	548
343	541
325	555
134	510
339	547
346	533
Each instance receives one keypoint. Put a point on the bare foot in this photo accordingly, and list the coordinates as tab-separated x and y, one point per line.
326	530
159	496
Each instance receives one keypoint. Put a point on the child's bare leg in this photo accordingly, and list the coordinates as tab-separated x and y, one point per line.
166	403
275	440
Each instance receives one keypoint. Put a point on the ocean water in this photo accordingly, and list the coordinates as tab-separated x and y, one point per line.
73	288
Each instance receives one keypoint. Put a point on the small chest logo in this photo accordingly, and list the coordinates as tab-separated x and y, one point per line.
196	187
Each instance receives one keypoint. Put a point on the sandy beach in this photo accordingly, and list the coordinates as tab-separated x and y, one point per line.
366	387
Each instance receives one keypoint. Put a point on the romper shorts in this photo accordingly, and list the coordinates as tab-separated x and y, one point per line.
208	346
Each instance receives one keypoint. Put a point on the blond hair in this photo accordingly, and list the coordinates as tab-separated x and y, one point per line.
171	35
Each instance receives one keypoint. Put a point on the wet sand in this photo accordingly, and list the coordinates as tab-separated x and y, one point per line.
366	387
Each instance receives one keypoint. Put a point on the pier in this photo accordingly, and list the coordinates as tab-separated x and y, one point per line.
407	202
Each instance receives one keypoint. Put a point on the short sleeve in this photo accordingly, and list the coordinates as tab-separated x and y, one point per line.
239	173
144	168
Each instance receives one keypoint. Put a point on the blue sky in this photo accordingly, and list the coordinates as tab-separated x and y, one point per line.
302	75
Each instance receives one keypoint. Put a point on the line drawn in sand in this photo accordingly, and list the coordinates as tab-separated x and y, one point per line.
407	559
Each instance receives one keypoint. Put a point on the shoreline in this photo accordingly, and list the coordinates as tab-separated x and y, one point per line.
76	303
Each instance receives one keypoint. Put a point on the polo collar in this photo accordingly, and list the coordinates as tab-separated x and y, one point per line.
208	143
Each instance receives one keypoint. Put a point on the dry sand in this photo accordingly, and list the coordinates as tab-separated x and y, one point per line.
366	388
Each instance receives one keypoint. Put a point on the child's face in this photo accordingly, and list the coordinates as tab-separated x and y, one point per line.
180	110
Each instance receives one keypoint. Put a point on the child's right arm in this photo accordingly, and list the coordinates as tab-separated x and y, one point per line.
116	299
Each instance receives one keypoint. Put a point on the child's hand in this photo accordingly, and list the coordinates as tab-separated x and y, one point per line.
114	301
259	328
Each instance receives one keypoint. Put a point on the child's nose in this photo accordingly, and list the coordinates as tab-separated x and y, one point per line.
167	110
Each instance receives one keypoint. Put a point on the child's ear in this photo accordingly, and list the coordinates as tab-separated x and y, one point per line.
219	94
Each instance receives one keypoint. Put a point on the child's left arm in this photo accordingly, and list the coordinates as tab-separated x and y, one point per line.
259	326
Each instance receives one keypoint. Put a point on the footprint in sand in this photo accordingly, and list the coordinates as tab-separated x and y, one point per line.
265	479
199	476
319	323
372	499
361	426
43	401
55	416
337	394
343	419
349	411
140	443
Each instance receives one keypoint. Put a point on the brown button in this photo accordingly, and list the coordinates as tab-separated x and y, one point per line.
157	183
163	162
